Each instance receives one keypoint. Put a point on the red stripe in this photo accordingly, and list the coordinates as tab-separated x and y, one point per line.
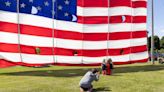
137	4
129	3
69	35
81	19
25	29
34	30
113	3
8	63
4	63
101	36
114	35
113	19
92	3
139	19
4	47
93	20
39	31
128	19
8	27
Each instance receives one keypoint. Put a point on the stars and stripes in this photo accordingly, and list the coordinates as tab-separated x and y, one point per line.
95	29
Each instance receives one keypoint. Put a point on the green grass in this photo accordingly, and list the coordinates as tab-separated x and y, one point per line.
126	78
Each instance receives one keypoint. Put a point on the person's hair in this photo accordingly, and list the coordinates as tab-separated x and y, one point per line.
109	60
94	70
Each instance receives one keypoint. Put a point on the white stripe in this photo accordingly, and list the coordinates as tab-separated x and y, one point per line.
70	44
113	11
69	59
100	28
120	27
41	59
27	58
140	55
37	59
30	19
8	16
26	39
120	58
72	26
127	27
14	57
114	44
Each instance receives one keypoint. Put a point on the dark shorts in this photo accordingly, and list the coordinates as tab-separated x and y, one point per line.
86	89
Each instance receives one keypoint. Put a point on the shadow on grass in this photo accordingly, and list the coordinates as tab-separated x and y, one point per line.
102	89
82	71
146	68
51	73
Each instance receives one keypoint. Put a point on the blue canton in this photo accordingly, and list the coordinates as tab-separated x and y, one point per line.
57	9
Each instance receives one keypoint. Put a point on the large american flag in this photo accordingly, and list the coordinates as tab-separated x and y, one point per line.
72	32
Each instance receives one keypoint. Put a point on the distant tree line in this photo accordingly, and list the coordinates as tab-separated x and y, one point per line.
158	43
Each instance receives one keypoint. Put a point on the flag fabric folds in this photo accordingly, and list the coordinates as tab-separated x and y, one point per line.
72	32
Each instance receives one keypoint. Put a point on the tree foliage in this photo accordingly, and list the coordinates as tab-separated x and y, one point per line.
156	43
162	43
149	43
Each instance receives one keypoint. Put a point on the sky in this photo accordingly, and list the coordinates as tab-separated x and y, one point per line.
158	17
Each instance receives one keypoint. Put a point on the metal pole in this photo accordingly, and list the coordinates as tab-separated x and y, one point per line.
152	35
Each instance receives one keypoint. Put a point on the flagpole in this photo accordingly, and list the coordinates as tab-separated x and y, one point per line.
152	35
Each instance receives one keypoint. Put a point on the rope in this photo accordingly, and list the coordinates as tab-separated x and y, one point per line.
18	21
107	52
131	29
82	61
53	31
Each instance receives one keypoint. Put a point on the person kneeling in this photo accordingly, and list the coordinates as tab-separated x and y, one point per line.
88	78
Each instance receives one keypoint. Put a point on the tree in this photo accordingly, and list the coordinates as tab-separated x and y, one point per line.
156	43
149	43
162	43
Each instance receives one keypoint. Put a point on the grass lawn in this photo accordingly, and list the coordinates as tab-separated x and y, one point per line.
126	78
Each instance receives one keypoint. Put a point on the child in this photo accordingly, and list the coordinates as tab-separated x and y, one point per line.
109	66
103	67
